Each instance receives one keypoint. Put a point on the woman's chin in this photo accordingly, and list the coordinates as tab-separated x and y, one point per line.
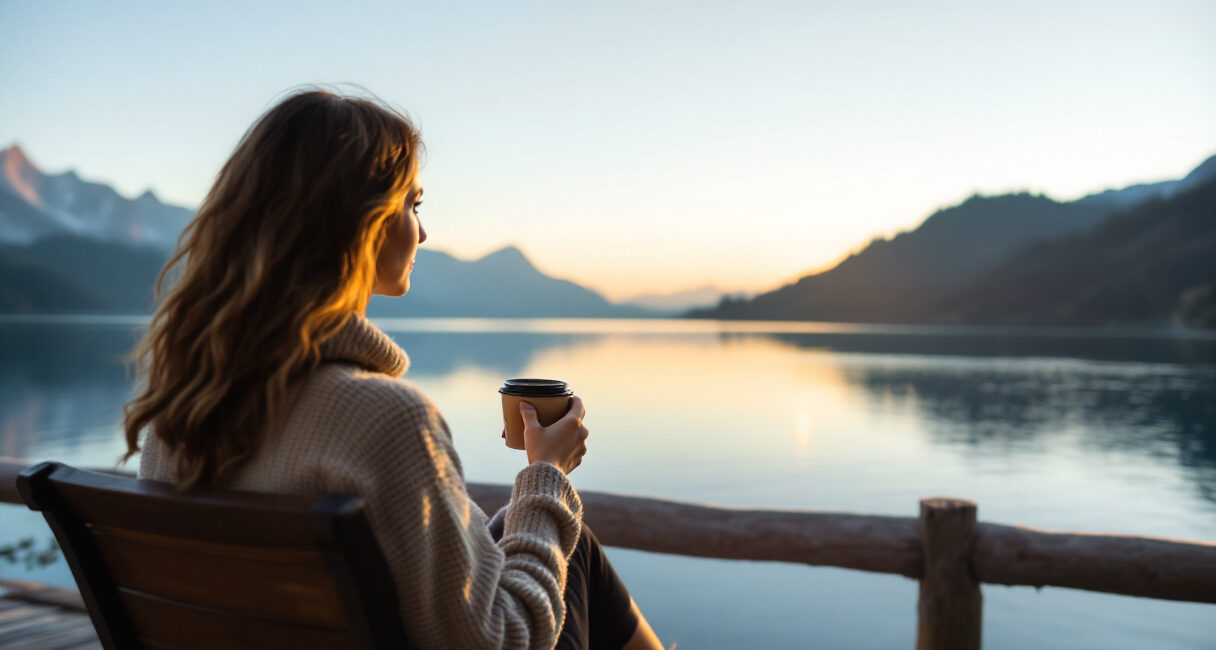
392	292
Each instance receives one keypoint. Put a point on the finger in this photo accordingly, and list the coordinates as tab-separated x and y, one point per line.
529	413
583	432
576	408
582	450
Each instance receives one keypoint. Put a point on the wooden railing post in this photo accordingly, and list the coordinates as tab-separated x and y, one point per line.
950	608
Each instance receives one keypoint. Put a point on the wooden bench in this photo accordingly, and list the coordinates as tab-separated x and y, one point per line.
202	569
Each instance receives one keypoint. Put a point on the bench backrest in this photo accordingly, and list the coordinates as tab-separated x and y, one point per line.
162	568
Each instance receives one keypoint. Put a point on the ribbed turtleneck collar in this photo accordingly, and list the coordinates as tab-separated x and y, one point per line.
361	342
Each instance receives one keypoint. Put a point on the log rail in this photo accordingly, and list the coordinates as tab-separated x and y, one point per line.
945	548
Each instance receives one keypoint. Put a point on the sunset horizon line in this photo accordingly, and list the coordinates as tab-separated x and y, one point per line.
616	294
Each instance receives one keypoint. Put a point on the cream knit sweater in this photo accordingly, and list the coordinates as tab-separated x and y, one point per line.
357	428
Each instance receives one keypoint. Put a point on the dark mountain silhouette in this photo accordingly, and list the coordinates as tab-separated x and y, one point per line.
28	286
920	276
68	273
1153	263
893	280
1134	194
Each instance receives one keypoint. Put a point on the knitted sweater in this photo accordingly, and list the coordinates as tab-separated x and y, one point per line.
355	427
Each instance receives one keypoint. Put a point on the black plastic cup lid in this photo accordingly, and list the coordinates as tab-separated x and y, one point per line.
536	388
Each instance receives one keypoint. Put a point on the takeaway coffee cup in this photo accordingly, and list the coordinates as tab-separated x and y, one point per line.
550	398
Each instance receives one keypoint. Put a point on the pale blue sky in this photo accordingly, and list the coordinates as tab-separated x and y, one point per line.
646	145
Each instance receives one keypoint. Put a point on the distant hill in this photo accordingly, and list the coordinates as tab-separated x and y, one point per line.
920	276
502	284
28	286
677	302
893	280
69	273
1153	263
68	245
1129	196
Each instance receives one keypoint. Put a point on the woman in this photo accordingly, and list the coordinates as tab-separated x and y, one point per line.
261	372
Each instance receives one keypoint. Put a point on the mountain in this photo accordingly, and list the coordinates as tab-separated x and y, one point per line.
34	205
501	284
1152	264
916	276
68	245
69	273
30	287
1136	193
894	280
676	302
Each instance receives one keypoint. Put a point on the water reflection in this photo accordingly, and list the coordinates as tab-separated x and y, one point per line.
438	353
62	386
1154	397
1165	413
1162	346
58	354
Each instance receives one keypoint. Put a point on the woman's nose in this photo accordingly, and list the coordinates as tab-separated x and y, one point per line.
421	233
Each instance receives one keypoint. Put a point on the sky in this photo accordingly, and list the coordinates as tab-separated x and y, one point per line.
641	147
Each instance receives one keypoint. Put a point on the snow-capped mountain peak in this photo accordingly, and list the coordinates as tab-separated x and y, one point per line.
34	205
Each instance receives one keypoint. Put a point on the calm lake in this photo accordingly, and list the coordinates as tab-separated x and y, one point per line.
1089	430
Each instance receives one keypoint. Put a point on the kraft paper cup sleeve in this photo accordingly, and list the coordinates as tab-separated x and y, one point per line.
548	411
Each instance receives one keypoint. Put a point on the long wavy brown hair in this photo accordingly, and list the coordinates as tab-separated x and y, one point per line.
281	252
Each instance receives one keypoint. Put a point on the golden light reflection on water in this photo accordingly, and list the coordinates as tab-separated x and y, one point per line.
657	402
728	386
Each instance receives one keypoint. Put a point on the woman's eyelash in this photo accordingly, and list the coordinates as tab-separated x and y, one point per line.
417	205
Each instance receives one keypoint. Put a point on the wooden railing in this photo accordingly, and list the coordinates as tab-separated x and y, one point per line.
945	548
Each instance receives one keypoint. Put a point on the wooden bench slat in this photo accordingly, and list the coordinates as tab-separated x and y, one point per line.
240	517
161	621
288	589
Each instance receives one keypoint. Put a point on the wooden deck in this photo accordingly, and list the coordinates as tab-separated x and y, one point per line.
38	617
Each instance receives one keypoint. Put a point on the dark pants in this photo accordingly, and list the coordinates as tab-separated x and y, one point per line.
598	612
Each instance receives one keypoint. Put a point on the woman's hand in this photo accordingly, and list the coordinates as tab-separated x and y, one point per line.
562	443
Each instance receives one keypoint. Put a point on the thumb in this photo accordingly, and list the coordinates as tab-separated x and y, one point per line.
529	413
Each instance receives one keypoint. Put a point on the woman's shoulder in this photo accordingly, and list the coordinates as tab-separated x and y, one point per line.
367	406
364	393
366	420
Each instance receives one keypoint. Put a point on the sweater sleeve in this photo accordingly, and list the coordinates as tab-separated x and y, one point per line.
457	587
